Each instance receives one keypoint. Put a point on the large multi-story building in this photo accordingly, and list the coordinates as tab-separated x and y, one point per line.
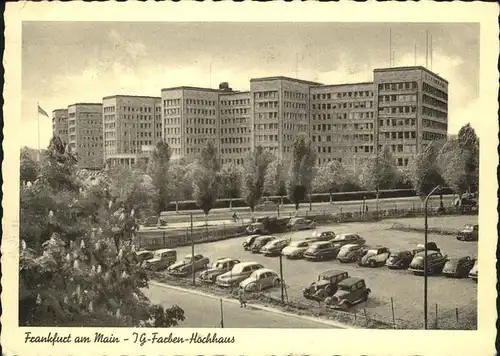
60	124
131	126
85	134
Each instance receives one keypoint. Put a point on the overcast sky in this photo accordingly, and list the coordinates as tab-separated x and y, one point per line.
68	62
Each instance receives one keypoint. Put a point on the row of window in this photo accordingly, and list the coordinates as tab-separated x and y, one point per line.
267	105
235	130
397	86
235	140
174	111
397	110
235	102
173	140
200	130
203	102
397	122
295	116
327	160
433	113
397	135
232	160
339	138
344	105
173	121
328	127
200	121
344	116
272	126
266	95
234	150
399	97
90	145
262	138
434	102
108	109
235	111
348	94
294	105
135	109
206	112
172	102
434	124
295	95
235	121
172	130
295	127
267	115
434	91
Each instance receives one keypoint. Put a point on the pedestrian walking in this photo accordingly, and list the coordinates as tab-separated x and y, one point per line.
242	298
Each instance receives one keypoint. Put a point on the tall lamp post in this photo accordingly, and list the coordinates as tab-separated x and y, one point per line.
425	253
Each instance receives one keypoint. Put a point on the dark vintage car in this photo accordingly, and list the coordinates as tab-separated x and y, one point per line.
350	291
435	262
297	224
260	242
274	247
458	267
267	205
321	236
256	228
469	233
400	259
344	239
350	252
185	267
219	267
325	286
321	250
473	272
163	258
144	255
247	243
374	257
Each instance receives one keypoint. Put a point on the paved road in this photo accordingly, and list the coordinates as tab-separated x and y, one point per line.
181	219
204	312
405	288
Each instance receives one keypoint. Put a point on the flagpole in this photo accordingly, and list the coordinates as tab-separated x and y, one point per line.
38	130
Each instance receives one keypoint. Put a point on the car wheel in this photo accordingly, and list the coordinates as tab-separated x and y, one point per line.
371	263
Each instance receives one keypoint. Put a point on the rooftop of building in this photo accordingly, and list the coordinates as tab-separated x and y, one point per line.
233	92
58	110
343	85
191	88
395	69
284	78
131	96
75	104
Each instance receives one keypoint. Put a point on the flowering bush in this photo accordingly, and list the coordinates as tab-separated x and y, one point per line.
78	265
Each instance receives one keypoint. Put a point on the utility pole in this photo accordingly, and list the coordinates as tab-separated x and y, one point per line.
221	315
425	254
281	279
192	250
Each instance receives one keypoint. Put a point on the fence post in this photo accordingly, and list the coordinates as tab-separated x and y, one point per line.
355	314
366	318
436	324
456	314
393	317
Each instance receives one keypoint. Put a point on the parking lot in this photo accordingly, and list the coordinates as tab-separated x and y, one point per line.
405	289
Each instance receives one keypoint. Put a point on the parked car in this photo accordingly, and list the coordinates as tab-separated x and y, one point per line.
274	247
350	252
458	267
162	259
473	272
238	273
260	241
185	267
221	266
296	249
297	224
256	228
374	257
400	259
321	250
435	262
144	255
247	243
344	239
431	246
350	291
321	236
469	233
261	279
325	286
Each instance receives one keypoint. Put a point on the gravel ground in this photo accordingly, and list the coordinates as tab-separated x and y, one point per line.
405	289
443	222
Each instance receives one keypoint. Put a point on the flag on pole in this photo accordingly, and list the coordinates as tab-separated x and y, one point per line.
42	112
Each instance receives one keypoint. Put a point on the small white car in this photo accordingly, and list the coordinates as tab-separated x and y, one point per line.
374	257
261	279
237	274
296	249
274	247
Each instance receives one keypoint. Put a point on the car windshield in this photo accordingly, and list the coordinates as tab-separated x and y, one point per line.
316	247
344	287
157	255
217	265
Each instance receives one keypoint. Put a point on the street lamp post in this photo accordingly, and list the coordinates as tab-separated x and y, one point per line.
425	253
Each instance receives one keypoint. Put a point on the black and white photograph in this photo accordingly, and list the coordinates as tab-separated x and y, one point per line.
224	175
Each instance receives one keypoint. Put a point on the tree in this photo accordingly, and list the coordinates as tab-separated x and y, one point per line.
159	169
230	177
275	178
379	173
330	178
253	176
206	181
181	180
301	171
424	171
29	168
73	271
469	145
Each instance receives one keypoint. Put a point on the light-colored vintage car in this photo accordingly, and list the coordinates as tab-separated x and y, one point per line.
296	249
185	267
274	247
238	273
221	266
261	279
296	224
162	259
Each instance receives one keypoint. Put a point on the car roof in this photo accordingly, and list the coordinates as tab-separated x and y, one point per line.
264	237
332	272
225	259
349	281
143	252
245	264
319	243
264	270
429	252
164	250
346	246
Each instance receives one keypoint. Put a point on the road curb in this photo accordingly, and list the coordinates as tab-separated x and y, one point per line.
256	306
